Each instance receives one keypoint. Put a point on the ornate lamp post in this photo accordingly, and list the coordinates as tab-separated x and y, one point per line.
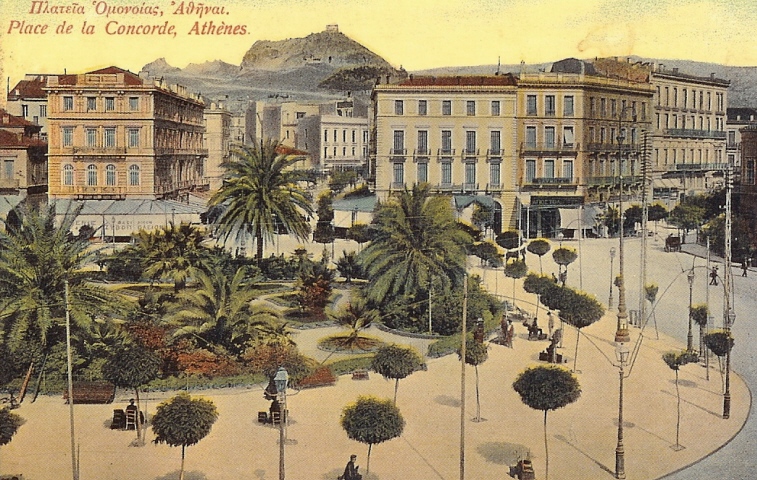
612	261
281	379
621	354
689	338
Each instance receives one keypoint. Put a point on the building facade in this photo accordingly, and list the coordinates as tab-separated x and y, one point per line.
28	100
457	134
736	119
218	139
334	142
23	165
113	135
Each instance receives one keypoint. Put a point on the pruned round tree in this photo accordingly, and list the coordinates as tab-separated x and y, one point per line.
476	353
676	360
538	285
509	239
515	269
539	247
563	257
580	310
719	342
182	421
372	421
547	388
700	314
396	362
131	367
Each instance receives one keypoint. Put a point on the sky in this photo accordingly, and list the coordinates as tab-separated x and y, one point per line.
417	34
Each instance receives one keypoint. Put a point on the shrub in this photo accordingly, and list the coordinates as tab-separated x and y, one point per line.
320	377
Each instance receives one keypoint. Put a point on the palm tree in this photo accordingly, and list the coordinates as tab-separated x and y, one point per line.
220	312
356	316
415	238
174	251
38	254
261	191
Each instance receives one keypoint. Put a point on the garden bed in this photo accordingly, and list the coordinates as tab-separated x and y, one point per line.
343	344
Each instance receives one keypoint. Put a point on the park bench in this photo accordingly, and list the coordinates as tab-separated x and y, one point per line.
92	392
360	374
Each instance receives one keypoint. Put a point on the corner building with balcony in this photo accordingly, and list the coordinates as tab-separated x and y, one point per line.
114	136
456	133
569	123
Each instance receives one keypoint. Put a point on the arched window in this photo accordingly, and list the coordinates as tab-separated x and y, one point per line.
110	175
91	175
134	175
68	174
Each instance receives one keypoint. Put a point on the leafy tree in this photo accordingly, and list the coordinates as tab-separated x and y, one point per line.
700	314
416	238
396	362
447	308
266	357
132	367
488	253
611	220
508	240
632	216
9	425
719	342
476	353
340	179
686	216
482	216
742	237
349	267
515	269
260	185
538	285
547	388
314	288
372	420
675	360
563	257
655	213
356	316
173	251
219	312
580	310
182	421
359	232
324	229
539	247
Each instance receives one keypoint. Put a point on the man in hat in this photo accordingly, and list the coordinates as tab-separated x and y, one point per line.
350	470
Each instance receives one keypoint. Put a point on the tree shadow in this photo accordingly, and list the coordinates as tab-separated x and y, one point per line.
503	453
193	475
448	401
597	462
684	383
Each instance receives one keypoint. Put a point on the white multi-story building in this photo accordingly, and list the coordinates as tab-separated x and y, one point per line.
334	142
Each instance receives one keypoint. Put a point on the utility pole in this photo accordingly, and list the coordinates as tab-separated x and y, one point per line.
462	379
69	365
728	314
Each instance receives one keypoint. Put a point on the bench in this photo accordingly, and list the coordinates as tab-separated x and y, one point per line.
360	374
92	392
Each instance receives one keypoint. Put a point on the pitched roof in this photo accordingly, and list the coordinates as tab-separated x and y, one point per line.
10	139
7	120
28	89
129	77
462	80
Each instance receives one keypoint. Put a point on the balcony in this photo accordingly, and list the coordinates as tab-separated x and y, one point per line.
470	152
470	187
613	147
94	192
688	133
551	181
449	187
167	188
697	167
202	152
423	153
547	147
99	150
494	187
495	153
446	152
733	145
628	180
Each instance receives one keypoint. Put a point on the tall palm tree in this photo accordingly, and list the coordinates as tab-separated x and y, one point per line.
173	251
220	312
415	238
261	191
38	254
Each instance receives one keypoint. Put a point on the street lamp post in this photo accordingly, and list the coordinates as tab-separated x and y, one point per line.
690	337
621	334
612	261
281	379
621	353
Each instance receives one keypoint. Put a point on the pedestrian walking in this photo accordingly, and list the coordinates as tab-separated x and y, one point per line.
714	276
550	322
509	336
744	268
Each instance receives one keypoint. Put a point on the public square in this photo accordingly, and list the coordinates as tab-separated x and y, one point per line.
582	436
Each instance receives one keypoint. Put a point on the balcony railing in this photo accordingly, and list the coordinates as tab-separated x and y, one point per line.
551	181
613	180
613	147
494	152
446	152
173	187
494	187
688	167
99	150
689	133
422	152
397	152
470	187
732	145
470	152
548	147
93	191
181	151
449	187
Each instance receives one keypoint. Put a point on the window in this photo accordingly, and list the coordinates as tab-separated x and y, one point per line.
399	142
549	168
134	175
530	170
446	107
325	135
8	169
110	175
602	135
325	152
568	137
470	174
675	96
133	137
568	106
447	141
613	107
750	172
549	105
344	136
24	111
470	108
592	106
531	137
530	104
603	107
110	137
494	173
731	138
423	142
567	169
334	152
68	136
344	151
422	107
446	173
685	98
365	136
354	135
91	104
68	104
496	142
68	174
91	175
299	115
422	172
110	104
398	170
470	142
335	136
495	108
399	107
549	137
91	134
42	111
709	101
667	96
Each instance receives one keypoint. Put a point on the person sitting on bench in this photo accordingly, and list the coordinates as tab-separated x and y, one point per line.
534	331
